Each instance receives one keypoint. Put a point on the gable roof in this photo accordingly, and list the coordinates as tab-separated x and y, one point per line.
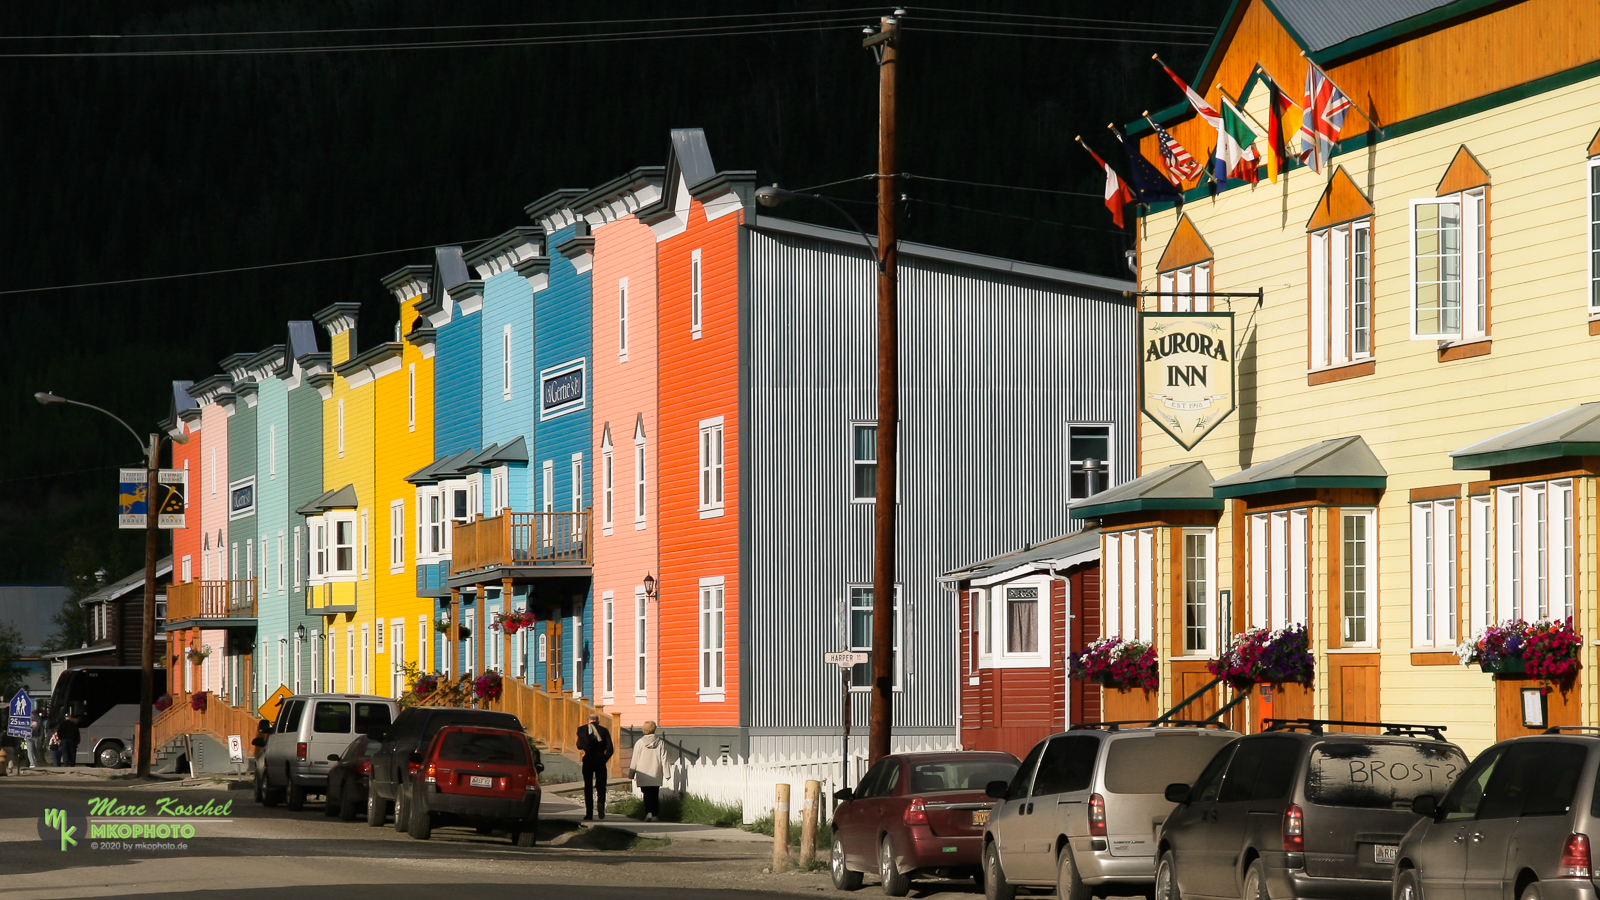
1572	432
1318	24
1345	462
1186	485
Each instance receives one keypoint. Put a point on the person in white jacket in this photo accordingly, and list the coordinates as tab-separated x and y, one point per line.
649	769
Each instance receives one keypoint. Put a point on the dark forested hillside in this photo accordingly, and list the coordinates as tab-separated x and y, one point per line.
125	167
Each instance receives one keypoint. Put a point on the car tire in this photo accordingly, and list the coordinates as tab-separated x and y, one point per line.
1255	881
377	809
1068	885
1531	892
270	796
895	882
844	878
402	809
420	825
108	755
1166	886
349	805
329	808
261	795
527	835
995	885
1407	885
295	799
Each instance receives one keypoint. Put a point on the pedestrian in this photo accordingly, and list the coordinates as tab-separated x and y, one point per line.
649	769
259	742
67	731
594	743
35	739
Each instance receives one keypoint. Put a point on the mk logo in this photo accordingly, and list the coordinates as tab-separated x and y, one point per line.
57	819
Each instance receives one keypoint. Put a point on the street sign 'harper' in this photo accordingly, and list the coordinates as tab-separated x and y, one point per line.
1186	372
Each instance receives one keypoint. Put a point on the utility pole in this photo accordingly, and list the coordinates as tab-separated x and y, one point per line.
153	501
884	45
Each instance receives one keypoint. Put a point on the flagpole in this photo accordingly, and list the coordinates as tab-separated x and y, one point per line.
1278	86
1239	108
1353	105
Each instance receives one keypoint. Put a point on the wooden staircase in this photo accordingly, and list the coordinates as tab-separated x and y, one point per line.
218	720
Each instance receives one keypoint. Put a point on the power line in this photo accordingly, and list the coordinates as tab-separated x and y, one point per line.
916	14
58	474
1130	28
1065	37
1004	187
990	212
303	262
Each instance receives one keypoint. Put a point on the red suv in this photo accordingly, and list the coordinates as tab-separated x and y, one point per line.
916	814
470	775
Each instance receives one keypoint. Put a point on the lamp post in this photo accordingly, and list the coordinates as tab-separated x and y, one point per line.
147	630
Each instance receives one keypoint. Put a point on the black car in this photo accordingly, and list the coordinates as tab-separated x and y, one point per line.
392	765
348	779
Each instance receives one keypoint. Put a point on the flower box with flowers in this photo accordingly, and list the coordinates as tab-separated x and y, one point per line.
1262	656
162	703
425	685
1115	663
1547	649
487	686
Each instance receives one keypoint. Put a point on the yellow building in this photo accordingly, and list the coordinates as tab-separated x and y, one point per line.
1410	458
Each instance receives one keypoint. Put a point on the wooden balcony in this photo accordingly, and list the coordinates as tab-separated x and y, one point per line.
514	540
212	600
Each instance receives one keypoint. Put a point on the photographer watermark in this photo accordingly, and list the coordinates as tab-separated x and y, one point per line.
111	824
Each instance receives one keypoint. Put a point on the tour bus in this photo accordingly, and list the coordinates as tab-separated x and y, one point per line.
105	702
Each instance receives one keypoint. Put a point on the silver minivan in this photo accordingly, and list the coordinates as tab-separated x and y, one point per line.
310	728
1515	826
1084	810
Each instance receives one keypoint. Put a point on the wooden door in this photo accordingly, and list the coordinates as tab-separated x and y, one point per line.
1353	689
1189	677
1561	706
1127	706
552	671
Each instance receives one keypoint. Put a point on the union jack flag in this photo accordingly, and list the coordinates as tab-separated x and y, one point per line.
1325	107
1180	164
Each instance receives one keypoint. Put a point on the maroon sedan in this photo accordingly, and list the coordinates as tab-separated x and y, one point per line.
916	814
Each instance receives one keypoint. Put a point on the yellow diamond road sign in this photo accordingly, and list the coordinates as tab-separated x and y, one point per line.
269	709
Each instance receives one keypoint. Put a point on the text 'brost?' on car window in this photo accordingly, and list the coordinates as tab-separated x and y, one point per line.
1380	774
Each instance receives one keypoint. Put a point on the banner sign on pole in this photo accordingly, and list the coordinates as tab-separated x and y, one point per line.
173	491
132	497
20	723
1186	372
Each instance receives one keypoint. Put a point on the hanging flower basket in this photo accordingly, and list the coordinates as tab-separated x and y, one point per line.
198	702
425	684
198	655
513	622
488	686
1261	656
162	703
1115	663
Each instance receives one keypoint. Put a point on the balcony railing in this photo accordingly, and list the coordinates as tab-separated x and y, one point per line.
212	600
522	540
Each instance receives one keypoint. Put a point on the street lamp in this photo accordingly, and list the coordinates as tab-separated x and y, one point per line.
151	514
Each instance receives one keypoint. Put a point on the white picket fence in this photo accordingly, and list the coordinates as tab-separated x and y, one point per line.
751	783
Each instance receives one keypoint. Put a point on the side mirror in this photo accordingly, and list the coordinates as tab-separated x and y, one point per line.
997	789
333	757
843	795
1177	793
1426	805
538	767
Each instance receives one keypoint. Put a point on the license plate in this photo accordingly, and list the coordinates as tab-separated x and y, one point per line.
980	817
1385	854
486	781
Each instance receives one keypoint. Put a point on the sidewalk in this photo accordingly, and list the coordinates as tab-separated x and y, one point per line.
561	808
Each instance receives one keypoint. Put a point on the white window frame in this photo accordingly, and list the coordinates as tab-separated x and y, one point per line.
1073	465
1534	559
366	543
577	492
1175	287
1472	206
712	626
547	502
272	452
712	468
336	572
1480	555
283	565
397	659
424	661
188	569
298	574
213	472
499	490
608	484
857	462
608	624
1341	294
1002	656
505	363
1368	573
853	594
341	427
696	295
1128	586
1434	573
641	657
641	484
1593	173
1279	549
379	643
1205	583
411	396
397	537
622	320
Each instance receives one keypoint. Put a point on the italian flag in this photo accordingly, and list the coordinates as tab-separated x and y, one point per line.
1236	143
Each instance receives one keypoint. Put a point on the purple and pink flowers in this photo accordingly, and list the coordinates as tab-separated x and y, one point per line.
1262	656
1116	663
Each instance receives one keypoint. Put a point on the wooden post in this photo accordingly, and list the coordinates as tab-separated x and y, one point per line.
808	823
453	656
506	666
480	625
780	830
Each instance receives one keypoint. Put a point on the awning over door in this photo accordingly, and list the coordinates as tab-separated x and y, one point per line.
1571	432
1345	462
342	498
1183	486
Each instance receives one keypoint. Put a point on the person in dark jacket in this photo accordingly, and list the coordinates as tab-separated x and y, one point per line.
67	731
594	743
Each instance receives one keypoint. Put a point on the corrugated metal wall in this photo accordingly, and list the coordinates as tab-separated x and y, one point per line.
993	367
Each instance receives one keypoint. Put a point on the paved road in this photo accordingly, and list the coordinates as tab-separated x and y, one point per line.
266	852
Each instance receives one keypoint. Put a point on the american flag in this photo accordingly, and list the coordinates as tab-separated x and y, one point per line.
1325	108
1179	163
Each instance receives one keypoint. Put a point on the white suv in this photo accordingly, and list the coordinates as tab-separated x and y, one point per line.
311	728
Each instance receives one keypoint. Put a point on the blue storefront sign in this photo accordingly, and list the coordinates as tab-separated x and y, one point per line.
562	388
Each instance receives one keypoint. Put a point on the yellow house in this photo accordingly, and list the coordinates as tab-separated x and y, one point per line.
1406	451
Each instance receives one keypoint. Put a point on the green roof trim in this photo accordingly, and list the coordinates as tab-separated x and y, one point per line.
1499	458
1301	483
1399	29
1343	462
1572	432
1145	504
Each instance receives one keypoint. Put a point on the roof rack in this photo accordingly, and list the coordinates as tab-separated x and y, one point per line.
1144	723
1390	729
1564	729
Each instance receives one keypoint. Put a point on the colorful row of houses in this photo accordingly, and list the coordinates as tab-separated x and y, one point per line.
624	452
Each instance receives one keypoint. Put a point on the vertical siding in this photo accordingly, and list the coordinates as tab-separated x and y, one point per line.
992	369
272	517
458	375
699	380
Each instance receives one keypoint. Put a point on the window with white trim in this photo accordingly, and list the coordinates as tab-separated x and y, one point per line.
640	629
283	565
1084	443
1178	287
380	643
640	493
1199	590
340	428
366	660
366	543
863	463
711	468
272	451
1449	267
1012	620
499	490
711	638
1358	578
608	669
397	536
1594	236
696	303
505	362
622	320
411	396
577	492
301	570
1480	556
188	569
1129	585
344	545
1341	294
1534	551
547	500
608	478
213	473
860	625
1279	569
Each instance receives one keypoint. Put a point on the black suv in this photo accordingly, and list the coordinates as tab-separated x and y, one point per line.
1303	809
392	765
